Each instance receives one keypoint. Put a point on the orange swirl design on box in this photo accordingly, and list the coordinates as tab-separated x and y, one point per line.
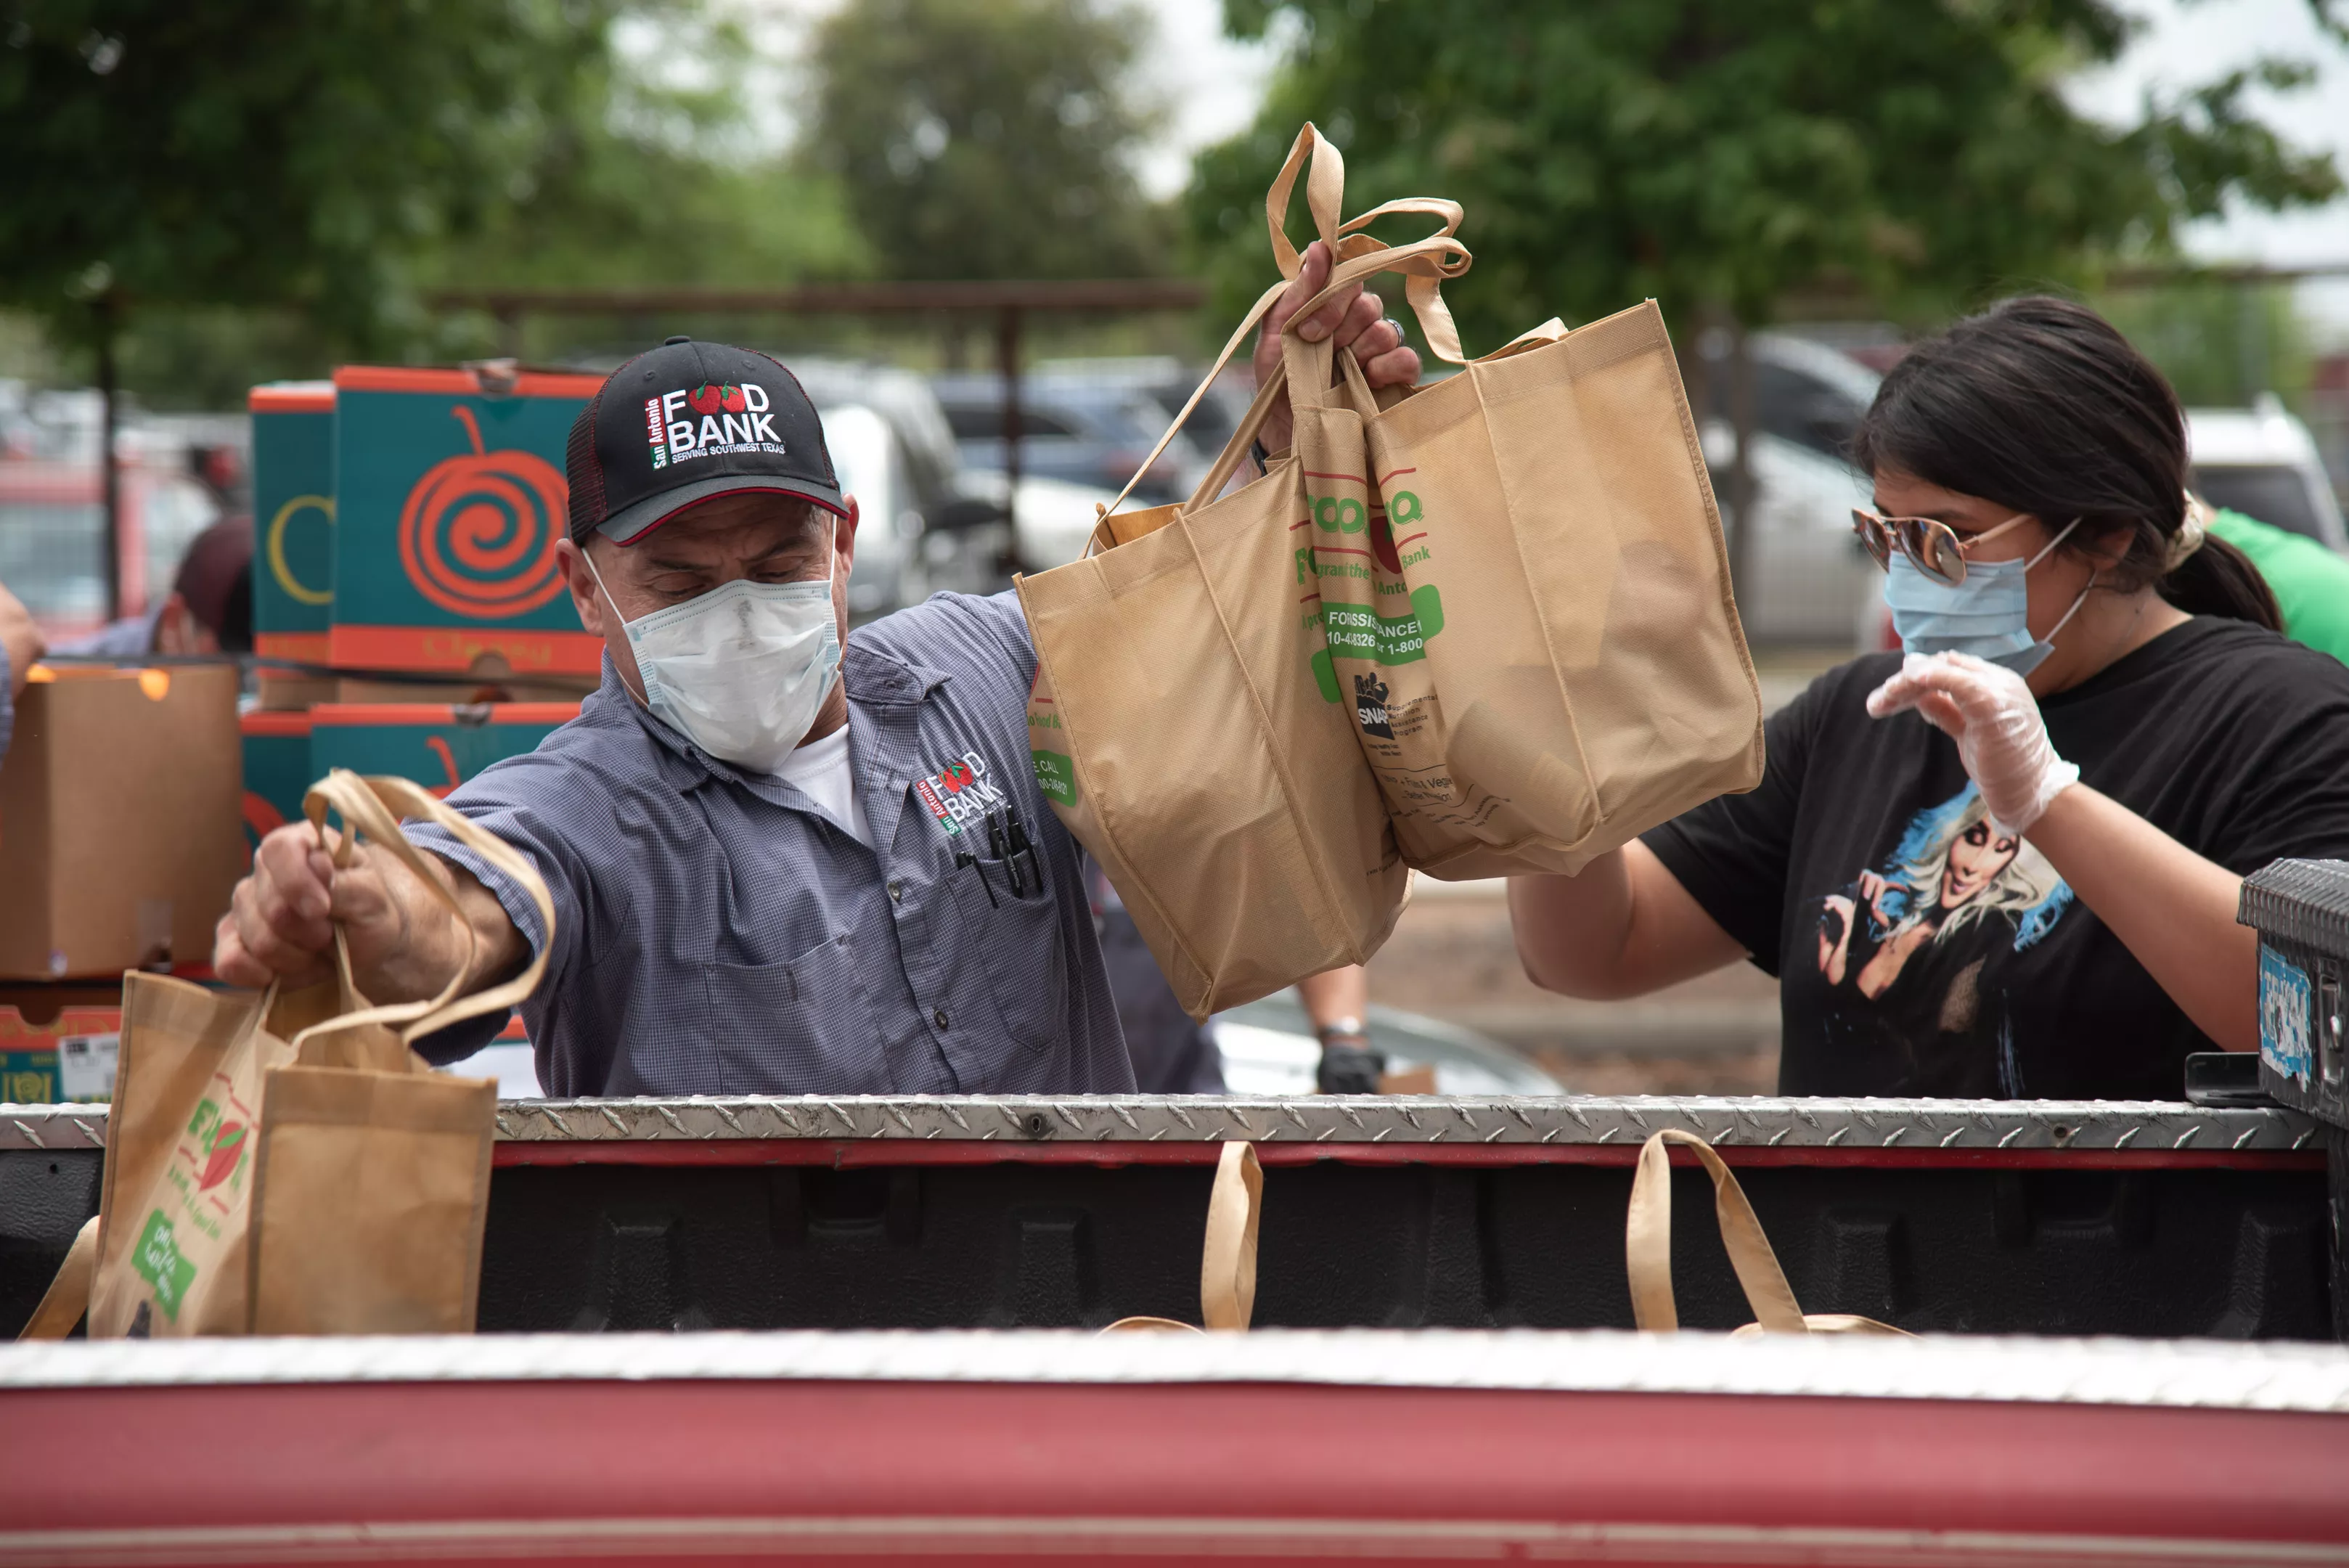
478	532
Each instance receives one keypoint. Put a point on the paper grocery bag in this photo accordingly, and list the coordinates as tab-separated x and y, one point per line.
1524	589
1187	724
374	1193
1181	733
284	1163
181	1136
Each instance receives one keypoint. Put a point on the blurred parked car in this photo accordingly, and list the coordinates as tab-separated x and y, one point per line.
2263	463
1071	429
1167	382
1807	579
920	529
1267	1048
1054	519
53	508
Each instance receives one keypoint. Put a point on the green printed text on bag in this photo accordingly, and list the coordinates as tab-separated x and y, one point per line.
157	1261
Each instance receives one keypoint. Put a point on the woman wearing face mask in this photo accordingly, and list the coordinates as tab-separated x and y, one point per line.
2007	862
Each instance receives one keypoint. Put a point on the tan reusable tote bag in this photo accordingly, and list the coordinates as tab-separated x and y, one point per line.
1185	725
1525	591
285	1164
1648	1250
1228	1257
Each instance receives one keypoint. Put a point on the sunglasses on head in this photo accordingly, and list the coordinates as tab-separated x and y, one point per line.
1932	547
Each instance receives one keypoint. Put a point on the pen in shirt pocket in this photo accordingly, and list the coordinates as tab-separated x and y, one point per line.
1000	843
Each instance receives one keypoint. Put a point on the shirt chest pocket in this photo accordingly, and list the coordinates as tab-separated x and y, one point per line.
802	1026
1017	943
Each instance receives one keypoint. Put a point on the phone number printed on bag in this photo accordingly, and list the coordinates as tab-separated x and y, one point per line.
1359	631
157	1261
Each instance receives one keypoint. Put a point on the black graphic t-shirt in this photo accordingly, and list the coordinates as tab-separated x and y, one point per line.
1919	951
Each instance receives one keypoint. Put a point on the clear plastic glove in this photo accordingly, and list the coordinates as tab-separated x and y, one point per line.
2001	740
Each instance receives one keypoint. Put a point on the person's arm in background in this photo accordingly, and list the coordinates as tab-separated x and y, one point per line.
21	646
1335	1002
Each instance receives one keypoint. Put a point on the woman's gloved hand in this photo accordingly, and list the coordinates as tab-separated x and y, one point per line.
1990	712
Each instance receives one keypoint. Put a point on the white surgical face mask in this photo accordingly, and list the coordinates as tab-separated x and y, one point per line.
742	671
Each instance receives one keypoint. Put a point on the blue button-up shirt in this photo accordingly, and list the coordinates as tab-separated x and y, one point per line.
716	933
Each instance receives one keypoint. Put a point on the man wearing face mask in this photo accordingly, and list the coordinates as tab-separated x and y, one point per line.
783	859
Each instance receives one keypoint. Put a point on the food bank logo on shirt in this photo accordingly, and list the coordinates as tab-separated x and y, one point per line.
710	421
959	792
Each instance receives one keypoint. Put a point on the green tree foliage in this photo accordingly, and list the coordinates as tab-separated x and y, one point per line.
1738	151
238	152
263	188
650	183
986	137
2221	343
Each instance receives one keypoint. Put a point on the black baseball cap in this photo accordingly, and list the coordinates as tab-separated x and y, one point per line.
681	423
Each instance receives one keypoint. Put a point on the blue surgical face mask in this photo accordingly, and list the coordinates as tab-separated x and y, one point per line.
1988	615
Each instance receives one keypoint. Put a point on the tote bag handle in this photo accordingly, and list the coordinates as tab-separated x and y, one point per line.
67	1297
1228	1259
1424	264
374	807
1648	1241
1648	1250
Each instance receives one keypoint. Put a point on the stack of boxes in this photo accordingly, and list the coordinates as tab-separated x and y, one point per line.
406	522
412	619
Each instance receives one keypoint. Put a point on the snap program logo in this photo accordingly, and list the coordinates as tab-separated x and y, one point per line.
1371	706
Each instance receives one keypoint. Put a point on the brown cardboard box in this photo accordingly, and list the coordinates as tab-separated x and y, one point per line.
120	838
294	693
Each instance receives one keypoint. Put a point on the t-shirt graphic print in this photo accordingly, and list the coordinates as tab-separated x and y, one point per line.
1922	937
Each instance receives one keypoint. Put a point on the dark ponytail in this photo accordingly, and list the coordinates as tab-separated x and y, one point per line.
2040	405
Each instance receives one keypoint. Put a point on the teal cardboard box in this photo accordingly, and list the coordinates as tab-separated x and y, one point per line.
436	745
278	774
294	507
448	501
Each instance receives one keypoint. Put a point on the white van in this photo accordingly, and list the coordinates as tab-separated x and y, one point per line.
2263	462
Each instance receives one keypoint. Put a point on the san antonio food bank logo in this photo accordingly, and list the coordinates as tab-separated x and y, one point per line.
710	420
478	533
959	792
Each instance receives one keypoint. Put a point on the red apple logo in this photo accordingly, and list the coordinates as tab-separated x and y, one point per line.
227	1147
706	400
478	532
735	402
1382	542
